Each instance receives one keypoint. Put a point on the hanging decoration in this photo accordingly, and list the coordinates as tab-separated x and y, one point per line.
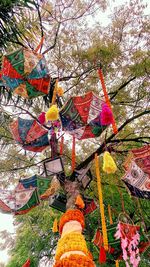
103	248
114	125
27	263
52	114
29	134
19	201
73	153
71	248
41	183
81	116
109	166
137	176
55	226
41	118
25	73
129	236
58	91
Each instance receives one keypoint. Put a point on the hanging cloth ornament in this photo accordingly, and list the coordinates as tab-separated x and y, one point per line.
100	73
79	202
102	257
109	166
55	226
73	152
129	238
52	113
27	263
61	145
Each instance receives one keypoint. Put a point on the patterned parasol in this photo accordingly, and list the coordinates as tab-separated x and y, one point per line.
29	134
39	182
25	73
80	116
137	177
18	201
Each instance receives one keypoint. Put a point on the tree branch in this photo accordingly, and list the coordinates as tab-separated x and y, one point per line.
55	40
109	140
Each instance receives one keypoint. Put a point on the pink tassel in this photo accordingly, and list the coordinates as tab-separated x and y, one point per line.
41	118
106	115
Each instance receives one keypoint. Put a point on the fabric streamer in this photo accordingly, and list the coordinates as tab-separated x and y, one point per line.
61	145
27	263
101	206
39	45
73	152
115	130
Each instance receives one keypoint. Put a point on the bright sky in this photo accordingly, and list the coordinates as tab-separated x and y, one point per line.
6	221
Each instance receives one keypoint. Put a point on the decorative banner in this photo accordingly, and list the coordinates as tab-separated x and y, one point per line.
25	73
81	116
29	134
137	177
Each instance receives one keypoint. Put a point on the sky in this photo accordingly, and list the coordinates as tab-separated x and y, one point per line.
6	221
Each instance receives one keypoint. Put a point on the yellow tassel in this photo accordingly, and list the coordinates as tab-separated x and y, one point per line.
101	205
109	213
79	202
55	226
57	91
117	263
52	113
109	166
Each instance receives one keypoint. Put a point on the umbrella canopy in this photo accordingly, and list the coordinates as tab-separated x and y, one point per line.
39	182
29	134
25	73
80	116
137	177
18	201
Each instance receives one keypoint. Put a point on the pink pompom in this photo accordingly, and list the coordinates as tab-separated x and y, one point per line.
41	118
106	116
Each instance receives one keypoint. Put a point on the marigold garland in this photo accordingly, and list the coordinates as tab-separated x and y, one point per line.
70	242
75	261
101	205
71	215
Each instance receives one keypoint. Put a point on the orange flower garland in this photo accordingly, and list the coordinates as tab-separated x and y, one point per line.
71	242
71	215
71	249
75	261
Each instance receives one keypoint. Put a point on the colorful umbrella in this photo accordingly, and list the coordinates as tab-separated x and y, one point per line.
39	182
137	177
80	116
29	134
19	201
25	73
